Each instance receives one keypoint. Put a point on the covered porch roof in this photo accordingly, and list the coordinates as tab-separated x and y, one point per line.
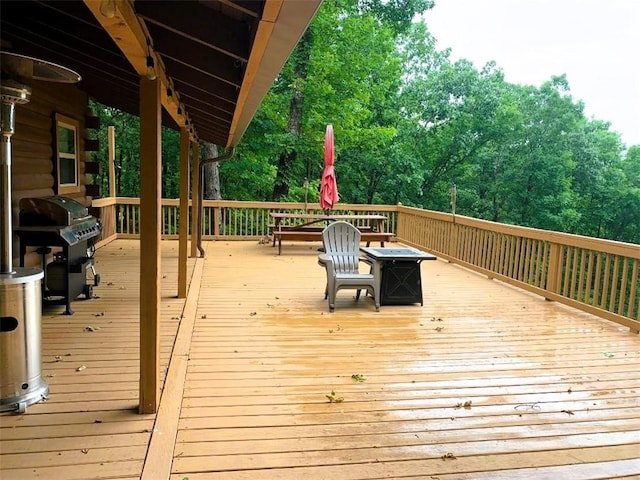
216	59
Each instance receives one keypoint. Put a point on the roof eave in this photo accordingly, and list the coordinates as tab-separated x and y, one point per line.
280	29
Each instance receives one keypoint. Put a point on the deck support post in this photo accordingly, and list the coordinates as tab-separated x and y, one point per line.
183	222
150	224
111	132
195	197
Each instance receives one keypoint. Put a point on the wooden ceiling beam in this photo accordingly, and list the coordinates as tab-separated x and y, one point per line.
194	23
247	7
131	37
200	57
198	79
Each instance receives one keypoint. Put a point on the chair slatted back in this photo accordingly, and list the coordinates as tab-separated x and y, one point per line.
342	242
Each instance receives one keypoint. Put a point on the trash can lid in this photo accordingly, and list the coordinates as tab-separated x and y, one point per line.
21	275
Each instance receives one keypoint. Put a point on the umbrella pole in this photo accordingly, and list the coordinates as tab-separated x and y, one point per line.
305	184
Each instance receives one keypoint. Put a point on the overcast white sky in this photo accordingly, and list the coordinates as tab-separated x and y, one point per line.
595	42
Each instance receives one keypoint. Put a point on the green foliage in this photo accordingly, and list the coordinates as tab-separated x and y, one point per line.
127	154
408	123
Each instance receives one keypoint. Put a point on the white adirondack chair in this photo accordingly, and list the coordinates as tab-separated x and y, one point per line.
341	260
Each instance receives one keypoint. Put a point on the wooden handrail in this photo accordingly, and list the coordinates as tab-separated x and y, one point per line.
594	275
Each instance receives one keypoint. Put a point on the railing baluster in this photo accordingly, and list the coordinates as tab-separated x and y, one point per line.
614	284
633	289
605	283
623	286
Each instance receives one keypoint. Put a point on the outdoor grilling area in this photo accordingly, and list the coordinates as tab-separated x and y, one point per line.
60	222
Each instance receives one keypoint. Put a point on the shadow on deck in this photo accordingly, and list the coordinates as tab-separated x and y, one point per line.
484	381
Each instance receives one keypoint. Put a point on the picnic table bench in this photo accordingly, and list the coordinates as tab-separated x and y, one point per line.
304	227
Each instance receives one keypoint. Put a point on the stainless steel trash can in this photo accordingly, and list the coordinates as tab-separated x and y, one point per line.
21	382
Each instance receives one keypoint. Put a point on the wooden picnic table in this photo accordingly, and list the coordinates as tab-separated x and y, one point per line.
309	226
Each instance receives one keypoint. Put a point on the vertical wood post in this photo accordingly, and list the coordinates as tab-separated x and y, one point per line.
184	213
195	196
216	221
111	132
150	223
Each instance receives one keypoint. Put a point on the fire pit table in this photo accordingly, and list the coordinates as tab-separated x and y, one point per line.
401	279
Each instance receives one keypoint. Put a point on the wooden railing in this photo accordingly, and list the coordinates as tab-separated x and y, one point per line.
593	275
596	276
221	218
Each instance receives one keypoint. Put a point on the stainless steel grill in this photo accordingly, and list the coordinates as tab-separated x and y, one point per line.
60	222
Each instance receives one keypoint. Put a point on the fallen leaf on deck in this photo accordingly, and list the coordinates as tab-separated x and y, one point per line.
449	456
333	399
81	368
91	328
608	354
85	450
568	412
358	377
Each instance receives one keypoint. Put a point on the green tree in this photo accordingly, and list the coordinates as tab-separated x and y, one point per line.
342	70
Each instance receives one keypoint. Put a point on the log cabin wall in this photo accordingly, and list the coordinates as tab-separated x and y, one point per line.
33	149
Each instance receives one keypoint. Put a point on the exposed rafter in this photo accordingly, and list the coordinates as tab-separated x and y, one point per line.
135	42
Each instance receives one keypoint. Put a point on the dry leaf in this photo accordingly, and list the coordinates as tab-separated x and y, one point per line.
333	399
81	368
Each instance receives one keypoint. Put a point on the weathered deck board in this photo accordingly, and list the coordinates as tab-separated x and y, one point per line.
554	393
89	427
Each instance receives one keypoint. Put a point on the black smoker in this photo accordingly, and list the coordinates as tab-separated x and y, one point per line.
60	222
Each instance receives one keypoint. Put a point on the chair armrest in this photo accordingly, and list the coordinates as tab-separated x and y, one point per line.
326	261
367	260
324	258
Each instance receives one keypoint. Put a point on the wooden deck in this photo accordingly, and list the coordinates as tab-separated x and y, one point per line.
483	382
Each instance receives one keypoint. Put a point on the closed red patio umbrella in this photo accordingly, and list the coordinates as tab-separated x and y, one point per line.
328	185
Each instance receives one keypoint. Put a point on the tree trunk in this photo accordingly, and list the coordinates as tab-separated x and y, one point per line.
287	159
211	178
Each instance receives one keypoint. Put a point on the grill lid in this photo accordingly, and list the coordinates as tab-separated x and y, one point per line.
54	210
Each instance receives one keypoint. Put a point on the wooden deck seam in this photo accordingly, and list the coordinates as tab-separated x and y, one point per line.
159	459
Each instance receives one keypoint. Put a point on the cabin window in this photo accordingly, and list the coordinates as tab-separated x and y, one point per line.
67	159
